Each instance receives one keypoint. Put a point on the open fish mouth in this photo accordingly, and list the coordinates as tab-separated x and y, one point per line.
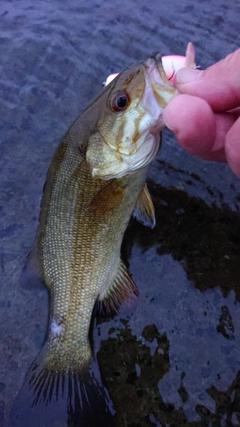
158	91
156	70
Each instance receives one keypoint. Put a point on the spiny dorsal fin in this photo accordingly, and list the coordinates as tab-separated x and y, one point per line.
144	210
122	289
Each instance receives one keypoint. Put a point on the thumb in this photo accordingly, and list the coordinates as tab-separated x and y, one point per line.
219	84
193	122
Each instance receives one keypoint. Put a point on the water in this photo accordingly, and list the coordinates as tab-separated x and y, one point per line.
174	360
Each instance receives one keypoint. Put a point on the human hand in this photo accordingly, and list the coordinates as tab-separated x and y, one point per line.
205	117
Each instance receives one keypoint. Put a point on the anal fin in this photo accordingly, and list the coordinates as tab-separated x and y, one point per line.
144	209
122	289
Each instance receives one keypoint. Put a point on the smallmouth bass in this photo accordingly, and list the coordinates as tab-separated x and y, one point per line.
95	182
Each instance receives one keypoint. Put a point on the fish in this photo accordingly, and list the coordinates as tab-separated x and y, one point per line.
95	183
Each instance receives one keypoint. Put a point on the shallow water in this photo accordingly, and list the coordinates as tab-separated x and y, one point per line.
174	359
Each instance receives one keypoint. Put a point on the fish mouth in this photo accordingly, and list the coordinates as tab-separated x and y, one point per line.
155	77
155	61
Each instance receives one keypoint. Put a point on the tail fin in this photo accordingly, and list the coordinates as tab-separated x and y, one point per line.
63	399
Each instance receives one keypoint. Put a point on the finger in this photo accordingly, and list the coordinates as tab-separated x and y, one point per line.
219	84
232	147
223	122
193	122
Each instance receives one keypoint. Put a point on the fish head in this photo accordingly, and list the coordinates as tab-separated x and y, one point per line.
127	132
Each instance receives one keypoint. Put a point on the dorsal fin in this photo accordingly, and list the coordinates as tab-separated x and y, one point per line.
121	289
144	209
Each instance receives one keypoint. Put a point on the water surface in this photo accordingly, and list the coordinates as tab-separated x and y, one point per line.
174	359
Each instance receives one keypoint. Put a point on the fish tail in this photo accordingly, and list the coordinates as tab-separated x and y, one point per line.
75	398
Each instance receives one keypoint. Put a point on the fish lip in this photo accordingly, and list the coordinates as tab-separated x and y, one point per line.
153	64
156	77
157	57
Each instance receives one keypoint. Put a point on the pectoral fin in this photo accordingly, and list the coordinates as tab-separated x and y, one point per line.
122	289
32	276
144	210
106	199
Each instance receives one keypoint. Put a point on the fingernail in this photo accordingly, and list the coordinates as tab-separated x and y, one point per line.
187	75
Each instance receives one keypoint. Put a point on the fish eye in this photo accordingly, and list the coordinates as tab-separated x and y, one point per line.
120	101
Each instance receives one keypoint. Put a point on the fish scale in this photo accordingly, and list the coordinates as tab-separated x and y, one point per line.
76	301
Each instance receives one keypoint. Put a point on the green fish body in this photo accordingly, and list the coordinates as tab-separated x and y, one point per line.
95	182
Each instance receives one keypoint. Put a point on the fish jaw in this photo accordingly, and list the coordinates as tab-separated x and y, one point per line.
158	91
129	140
